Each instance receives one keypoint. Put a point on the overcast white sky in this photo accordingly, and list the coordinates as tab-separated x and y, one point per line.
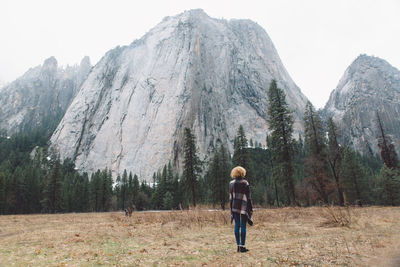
315	39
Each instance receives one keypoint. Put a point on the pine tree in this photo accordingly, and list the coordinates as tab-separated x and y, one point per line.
85	193
302	186
177	192
33	187
213	176
389	177
117	190
135	190
274	170
389	186
3	195
335	156
168	201
52	201
281	125
191	167
129	191
240	156
170	185
219	172
67	192
94	192
224	176
12	195
124	190
106	181
388	152
316	164
353	176
170	179
97	191
143	201
154	180
163	182
160	188
21	190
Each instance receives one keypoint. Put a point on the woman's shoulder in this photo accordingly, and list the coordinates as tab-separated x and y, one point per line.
243	181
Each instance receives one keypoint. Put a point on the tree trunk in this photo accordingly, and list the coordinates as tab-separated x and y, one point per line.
338	187
193	195
276	193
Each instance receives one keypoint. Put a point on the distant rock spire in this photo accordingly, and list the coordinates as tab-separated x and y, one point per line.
50	65
42	93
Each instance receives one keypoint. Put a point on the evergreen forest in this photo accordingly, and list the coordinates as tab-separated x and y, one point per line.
316	168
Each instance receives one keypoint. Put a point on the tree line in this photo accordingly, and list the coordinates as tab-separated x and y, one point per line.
320	168
314	169
317	168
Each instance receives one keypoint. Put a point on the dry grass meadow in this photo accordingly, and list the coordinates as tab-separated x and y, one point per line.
315	236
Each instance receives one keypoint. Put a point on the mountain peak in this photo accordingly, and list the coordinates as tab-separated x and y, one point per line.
190	70
192	14
50	65
85	61
364	61
195	12
366	69
51	61
363	57
370	84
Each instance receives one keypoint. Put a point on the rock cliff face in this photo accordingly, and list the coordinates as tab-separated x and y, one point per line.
189	71
42	93
369	85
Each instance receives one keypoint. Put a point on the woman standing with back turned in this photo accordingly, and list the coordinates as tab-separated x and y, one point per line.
241	206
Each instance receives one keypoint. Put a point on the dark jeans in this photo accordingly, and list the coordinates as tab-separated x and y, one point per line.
240	224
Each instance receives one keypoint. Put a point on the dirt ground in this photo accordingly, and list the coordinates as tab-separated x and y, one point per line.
315	236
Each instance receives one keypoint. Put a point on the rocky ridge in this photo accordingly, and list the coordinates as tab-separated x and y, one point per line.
42	93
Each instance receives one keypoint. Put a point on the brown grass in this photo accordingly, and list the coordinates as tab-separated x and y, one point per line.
337	216
279	237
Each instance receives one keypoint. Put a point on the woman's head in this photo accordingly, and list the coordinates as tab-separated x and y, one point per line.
238	172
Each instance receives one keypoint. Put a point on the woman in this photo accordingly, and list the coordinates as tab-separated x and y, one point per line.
241	206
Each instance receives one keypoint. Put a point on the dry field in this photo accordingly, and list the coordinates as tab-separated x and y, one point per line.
280	237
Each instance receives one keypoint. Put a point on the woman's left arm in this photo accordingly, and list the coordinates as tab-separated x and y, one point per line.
249	202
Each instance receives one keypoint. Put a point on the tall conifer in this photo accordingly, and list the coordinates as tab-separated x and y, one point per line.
53	194
219	172
191	167
281	126
124	189
388	152
353	176
240	157
389	186
135	190
316	164
335	156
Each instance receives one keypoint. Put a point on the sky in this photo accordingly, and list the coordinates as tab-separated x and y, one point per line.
316	39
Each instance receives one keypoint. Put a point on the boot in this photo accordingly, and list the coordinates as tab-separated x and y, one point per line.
243	249
238	250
